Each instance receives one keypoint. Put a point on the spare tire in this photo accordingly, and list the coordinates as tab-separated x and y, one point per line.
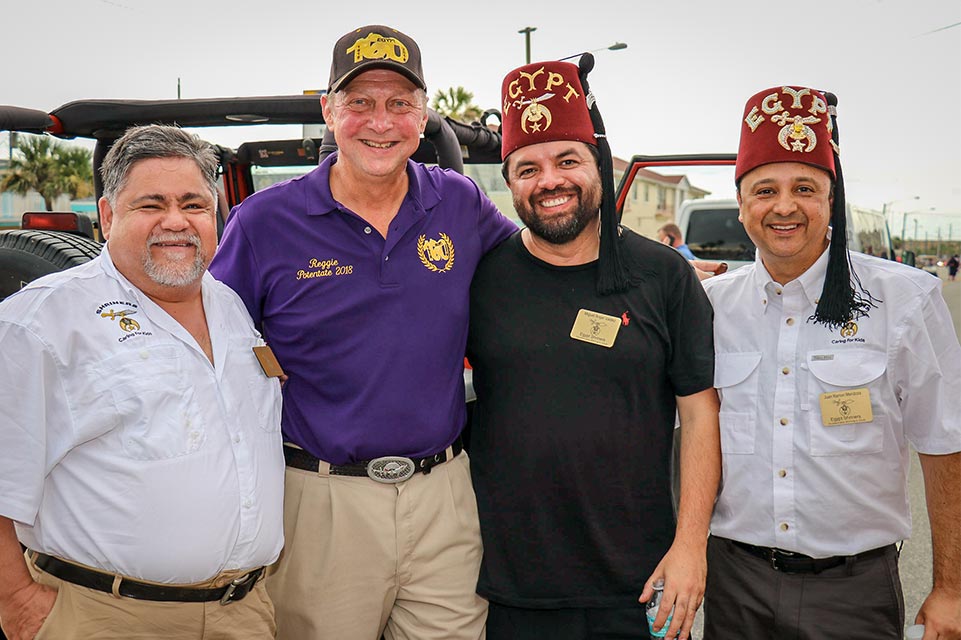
25	255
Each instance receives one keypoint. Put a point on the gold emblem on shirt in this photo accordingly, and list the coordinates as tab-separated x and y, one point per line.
846	407
433	251
849	330
127	324
595	328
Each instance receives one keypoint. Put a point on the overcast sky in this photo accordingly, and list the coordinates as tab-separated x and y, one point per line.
679	87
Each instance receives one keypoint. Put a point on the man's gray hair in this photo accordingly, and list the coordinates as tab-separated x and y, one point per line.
155	141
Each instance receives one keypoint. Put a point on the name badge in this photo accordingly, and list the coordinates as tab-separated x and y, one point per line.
596	328
846	407
268	361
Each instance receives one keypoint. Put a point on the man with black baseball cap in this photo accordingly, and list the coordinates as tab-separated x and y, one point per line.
585	339
830	365
359	274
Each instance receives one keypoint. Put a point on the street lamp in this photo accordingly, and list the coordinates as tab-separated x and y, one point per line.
617	46
527	40
884	210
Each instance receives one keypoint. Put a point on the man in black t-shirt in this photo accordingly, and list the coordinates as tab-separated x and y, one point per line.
585	339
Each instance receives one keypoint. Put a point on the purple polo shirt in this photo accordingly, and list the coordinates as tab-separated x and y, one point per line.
371	331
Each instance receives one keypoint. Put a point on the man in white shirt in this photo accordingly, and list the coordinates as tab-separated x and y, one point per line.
140	451
830	365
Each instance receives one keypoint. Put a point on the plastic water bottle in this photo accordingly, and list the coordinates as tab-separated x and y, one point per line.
653	606
914	632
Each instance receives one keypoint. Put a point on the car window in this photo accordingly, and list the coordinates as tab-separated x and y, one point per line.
717	234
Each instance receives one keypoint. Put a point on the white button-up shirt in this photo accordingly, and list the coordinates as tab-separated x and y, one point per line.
121	446
788	480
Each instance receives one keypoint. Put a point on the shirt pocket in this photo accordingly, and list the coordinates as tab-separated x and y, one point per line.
844	370
156	402
736	378
261	394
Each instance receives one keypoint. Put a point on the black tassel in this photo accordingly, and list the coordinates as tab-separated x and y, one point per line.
841	301
612	272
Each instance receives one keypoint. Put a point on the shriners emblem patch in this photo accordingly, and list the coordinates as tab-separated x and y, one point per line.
126	323
432	252
119	311
849	330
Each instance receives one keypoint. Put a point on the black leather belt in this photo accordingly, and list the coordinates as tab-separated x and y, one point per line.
82	576
387	469
790	562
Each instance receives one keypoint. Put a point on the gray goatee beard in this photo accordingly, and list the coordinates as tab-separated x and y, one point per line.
180	273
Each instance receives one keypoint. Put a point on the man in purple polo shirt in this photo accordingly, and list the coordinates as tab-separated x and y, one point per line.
358	274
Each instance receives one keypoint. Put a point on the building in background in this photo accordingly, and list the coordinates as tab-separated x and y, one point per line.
654	198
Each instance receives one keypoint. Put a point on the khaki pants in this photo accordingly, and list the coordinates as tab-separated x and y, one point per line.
363	558
80	613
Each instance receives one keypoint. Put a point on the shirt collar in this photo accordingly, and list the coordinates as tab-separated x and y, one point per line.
319	200
811	281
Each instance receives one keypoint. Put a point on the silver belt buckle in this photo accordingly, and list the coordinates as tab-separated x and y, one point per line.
390	469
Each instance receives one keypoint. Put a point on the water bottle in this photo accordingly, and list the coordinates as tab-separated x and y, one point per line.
914	632
653	606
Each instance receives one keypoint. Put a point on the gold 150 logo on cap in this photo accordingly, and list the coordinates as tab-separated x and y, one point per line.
378	47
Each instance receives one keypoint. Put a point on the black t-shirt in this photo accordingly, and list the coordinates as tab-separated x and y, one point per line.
571	441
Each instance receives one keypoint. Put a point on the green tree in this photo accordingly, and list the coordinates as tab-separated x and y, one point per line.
457	103
51	169
76	167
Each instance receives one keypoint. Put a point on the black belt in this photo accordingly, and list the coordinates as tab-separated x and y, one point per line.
84	577
388	469
790	562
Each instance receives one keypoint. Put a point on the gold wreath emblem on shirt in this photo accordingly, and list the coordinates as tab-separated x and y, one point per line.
431	251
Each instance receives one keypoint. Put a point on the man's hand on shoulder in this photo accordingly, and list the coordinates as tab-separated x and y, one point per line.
25	610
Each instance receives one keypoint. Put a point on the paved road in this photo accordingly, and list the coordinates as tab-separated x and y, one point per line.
915	563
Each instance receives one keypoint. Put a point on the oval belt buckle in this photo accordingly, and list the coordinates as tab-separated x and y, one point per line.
390	469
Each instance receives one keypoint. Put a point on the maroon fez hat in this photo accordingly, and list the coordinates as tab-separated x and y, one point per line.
544	102
786	124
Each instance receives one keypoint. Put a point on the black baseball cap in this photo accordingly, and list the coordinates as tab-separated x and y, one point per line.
375	47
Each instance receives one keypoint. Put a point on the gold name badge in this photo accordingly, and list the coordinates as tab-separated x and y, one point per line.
846	407
268	361
596	328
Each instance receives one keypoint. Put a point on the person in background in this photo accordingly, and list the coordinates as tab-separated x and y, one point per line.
140	450
831	366
358	274
584	339
670	234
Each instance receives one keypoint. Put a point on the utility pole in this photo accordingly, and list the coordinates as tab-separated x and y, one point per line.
527	40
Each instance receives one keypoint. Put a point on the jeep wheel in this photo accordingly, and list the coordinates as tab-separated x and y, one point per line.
26	255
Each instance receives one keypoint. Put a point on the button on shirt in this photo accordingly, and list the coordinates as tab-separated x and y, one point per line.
121	446
791	482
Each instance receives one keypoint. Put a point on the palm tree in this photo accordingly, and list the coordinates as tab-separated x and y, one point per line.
50	169
457	103
76	166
